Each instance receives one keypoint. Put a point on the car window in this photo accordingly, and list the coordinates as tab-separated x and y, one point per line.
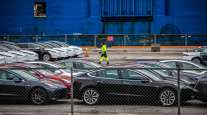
131	75
113	73
66	64
187	65
171	64
25	74
100	73
6	75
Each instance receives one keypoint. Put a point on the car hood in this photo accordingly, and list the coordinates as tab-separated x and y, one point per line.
8	54
29	52
18	53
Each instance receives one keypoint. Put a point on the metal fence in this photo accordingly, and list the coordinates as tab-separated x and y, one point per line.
115	39
123	85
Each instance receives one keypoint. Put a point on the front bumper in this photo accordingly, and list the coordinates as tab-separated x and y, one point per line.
59	94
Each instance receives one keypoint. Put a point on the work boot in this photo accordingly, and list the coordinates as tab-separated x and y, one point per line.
107	63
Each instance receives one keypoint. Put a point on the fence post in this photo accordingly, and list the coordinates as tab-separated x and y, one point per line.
155	38
178	76
95	40
72	101
186	40
66	38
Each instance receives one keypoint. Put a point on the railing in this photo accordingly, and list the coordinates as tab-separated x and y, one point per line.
115	39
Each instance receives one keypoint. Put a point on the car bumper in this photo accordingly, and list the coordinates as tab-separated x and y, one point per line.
59	94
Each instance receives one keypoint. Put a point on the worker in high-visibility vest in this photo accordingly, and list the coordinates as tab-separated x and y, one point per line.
104	56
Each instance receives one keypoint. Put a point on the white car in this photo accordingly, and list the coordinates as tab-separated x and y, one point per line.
61	53
9	58
65	52
2	60
198	55
20	57
30	56
78	51
188	65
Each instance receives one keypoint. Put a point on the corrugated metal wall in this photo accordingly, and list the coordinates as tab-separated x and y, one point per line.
126	8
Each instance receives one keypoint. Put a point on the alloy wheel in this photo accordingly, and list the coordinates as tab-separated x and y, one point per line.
91	96
38	96
46	57
168	97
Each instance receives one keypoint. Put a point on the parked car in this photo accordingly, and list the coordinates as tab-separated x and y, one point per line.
198	55
77	50
79	65
65	72
43	73
20	57
32	56
187	65
202	89
68	51
173	72
63	53
94	86
2	59
45	54
19	85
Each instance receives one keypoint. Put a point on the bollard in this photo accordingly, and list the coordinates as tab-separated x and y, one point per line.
86	52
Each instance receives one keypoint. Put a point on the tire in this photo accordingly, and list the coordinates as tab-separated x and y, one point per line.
91	96
168	97
46	57
196	60
38	96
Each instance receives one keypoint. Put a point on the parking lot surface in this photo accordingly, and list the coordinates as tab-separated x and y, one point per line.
63	107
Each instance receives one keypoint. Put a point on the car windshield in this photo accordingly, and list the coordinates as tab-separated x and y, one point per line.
25	74
62	44
45	45
52	44
162	71
13	47
3	48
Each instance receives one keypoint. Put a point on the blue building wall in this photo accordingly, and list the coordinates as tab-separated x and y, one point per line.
84	16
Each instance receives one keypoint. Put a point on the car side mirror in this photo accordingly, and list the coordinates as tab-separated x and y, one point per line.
17	80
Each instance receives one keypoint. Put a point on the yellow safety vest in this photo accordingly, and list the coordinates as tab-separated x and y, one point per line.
103	48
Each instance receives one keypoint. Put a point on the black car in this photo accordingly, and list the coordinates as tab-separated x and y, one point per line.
94	86
20	85
43	54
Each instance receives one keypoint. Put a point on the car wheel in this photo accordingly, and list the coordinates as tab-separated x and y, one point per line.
38	96
46	57
196	60
168	97
91	96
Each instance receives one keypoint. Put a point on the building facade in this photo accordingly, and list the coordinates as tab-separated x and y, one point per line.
52	17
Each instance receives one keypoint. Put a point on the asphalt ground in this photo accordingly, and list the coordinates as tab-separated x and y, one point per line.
63	107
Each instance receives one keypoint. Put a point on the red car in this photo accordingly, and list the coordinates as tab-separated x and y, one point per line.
44	74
